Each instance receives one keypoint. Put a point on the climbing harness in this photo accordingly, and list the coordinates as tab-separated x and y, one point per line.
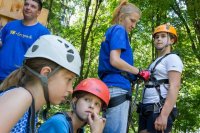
146	109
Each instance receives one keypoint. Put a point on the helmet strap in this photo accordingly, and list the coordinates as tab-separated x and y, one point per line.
44	82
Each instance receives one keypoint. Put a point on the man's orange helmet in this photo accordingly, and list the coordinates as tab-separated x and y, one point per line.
166	28
95	87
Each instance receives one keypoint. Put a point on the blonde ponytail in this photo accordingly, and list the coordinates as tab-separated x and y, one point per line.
126	8
22	77
13	79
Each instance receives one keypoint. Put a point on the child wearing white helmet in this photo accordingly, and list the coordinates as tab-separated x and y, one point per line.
51	64
158	110
90	96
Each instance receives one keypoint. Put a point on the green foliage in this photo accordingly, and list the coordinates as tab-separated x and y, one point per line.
180	13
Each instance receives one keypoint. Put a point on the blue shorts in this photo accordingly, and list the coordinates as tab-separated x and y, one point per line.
146	121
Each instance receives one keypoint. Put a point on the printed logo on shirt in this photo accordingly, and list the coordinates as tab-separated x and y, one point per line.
13	32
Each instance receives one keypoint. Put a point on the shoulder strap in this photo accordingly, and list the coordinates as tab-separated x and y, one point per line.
31	116
161	60
68	119
152	75
115	101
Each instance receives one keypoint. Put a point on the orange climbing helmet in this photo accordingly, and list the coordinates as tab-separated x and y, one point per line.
95	87
166	28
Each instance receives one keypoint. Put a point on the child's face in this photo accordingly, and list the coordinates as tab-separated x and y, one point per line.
161	39
129	21
60	86
88	104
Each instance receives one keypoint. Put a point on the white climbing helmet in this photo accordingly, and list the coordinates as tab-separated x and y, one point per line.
57	50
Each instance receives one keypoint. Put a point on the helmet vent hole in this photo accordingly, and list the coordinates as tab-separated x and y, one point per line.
70	51
60	41
34	48
70	57
67	46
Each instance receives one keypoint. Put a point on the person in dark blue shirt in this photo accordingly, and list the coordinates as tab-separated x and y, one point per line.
18	36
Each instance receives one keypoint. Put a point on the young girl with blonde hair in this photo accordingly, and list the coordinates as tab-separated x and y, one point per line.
50	67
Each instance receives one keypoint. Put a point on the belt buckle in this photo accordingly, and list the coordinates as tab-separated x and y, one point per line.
149	83
157	107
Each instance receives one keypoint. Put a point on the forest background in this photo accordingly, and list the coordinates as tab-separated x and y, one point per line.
84	22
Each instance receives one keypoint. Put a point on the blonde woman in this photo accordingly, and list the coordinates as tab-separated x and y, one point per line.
116	66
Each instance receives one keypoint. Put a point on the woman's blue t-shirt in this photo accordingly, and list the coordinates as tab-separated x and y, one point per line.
116	37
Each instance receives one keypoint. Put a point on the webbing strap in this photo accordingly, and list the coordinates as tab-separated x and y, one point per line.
114	101
161	60
153	79
31	117
132	108
44	82
157	83
68	119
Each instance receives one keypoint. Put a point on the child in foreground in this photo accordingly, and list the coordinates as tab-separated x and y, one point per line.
90	97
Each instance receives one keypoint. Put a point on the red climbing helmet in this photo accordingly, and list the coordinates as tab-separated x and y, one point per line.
95	87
